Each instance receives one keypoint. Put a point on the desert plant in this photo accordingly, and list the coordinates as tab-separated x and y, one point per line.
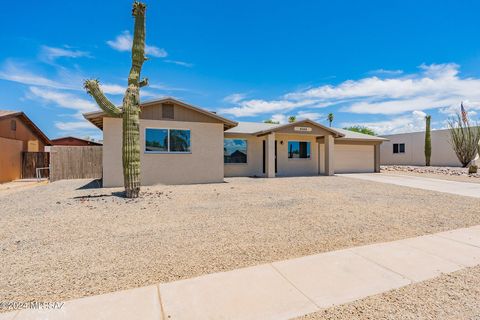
428	141
130	110
361	129
292	119
330	119
464	139
472	169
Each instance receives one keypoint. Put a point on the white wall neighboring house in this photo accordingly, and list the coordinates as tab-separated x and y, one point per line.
414	144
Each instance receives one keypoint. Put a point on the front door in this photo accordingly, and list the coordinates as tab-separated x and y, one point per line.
264	156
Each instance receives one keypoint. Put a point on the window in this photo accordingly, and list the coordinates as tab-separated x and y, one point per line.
399	148
167	141
298	150
13	125
168	111
234	151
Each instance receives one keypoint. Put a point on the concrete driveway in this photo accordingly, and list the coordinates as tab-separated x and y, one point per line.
447	186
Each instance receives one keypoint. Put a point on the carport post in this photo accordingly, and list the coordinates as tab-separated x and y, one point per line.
329	155
270	155
377	157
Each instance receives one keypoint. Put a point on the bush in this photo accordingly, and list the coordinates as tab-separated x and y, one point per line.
472	169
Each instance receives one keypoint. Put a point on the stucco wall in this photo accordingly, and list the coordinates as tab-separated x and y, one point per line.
10	159
296	167
203	165
354	158
348	158
254	165
442	152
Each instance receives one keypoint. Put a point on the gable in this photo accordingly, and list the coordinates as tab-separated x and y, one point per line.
164	111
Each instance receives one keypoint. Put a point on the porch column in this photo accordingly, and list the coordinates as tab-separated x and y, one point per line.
329	155
270	155
377	157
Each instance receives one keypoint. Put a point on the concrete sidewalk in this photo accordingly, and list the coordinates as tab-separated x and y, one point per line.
448	186
284	289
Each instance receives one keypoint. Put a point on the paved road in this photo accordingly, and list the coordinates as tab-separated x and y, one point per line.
454	187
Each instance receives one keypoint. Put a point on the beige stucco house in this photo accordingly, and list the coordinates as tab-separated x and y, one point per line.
184	144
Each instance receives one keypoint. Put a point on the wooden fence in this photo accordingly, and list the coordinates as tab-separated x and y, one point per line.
33	160
67	162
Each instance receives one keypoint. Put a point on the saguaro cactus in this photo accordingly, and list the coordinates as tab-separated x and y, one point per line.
130	110
428	141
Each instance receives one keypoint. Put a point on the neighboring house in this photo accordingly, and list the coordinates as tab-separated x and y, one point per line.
74	141
17	134
183	144
409	149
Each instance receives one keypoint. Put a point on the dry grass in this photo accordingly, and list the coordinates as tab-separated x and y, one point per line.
61	242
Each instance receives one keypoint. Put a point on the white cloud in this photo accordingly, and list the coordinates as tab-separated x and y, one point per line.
62	99
123	42
386	72
280	118
74	125
315	116
112	88
17	73
49	54
435	86
235	97
414	121
180	63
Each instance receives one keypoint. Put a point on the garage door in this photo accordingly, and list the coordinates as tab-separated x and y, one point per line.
354	158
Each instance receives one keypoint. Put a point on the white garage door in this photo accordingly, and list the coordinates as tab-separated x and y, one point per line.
354	158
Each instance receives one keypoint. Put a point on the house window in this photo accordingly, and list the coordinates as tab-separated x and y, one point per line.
234	151
167	141
298	150
13	125
168	111
399	148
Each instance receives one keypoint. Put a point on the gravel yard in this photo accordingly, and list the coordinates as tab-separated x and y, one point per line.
451	296
444	173
61	241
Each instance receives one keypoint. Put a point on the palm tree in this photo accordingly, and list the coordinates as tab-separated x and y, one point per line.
292	119
330	118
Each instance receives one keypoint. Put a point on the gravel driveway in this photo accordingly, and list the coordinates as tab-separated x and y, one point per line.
62	241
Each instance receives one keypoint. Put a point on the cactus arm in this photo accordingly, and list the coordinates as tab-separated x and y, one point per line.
143	83
93	89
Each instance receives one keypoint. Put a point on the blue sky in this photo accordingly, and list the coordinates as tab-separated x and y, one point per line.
384	64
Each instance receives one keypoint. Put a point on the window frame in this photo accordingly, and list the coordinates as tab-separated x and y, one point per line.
309	155
398	148
168	142
236	163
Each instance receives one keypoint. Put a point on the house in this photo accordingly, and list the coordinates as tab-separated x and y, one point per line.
17	134
74	141
182	144
408	149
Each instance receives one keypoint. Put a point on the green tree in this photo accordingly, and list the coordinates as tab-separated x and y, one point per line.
330	119
271	121
130	110
361	129
292	119
428	141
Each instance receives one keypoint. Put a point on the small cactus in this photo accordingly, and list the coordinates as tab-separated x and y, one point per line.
428	141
